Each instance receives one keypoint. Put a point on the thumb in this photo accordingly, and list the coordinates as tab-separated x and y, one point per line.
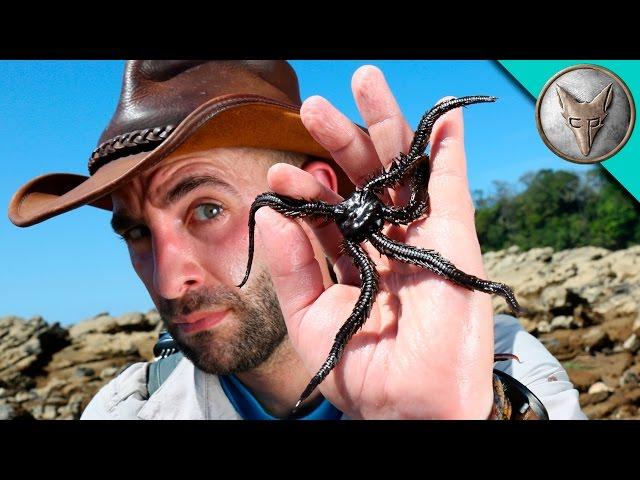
295	272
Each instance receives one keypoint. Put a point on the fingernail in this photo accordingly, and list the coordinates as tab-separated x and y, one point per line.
444	99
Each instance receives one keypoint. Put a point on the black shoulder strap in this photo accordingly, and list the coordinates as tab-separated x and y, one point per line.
159	371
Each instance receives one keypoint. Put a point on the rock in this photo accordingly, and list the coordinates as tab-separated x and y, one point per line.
154	318
595	339
625	263
563	344
635	328
618	329
598	392
129	322
625	412
587	255
612	367
586	370
47	373
631	376
93	347
7	412
599	387
134	322
616	307
26	346
553	297
593	398
632	343
57	400
564	274
10	411
73	410
632	395
562	321
24	397
582	372
50	412
543	254
108	372
590	294
543	327
85	372
585	317
605	408
103	323
579	277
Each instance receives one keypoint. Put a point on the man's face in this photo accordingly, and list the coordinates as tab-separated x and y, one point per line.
185	224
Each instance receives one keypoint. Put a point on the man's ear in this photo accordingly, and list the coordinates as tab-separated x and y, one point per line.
323	172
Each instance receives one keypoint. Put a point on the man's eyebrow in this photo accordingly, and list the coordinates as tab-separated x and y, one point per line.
188	184
121	221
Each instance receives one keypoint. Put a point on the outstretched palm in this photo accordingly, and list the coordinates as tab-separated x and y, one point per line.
426	349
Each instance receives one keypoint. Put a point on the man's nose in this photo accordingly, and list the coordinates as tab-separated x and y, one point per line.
176	269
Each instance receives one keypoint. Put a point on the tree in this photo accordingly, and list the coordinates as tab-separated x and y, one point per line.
559	209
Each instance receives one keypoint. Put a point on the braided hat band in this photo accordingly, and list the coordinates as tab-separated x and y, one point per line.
126	144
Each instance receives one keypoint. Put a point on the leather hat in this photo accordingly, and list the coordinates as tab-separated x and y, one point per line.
172	107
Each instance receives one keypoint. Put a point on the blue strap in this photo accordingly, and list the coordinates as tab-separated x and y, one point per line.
250	409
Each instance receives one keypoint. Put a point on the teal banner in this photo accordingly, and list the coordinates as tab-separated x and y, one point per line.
534	74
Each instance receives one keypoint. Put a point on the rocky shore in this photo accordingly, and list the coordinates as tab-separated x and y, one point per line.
50	372
583	304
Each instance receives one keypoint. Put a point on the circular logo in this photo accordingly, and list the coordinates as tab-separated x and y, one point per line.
585	114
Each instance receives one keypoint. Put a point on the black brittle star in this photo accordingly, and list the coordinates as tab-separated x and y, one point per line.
362	216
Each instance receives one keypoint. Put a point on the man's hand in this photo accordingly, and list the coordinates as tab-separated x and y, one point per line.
426	350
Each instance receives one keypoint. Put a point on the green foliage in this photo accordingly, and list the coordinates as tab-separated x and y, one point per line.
558	209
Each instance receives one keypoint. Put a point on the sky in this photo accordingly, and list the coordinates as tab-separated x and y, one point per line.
73	267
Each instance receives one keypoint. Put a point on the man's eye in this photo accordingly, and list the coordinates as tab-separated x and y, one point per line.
207	211
135	233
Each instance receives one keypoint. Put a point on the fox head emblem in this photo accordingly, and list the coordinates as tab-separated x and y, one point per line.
585	118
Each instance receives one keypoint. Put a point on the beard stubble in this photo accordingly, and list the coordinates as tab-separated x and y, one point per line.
234	346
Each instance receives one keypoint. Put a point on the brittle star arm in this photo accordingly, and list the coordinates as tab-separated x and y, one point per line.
291	207
418	203
400	166
423	132
434	262
360	313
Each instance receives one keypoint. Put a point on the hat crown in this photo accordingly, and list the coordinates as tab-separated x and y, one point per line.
158	93
169	105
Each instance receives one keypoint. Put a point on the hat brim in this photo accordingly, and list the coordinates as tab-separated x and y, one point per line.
230	121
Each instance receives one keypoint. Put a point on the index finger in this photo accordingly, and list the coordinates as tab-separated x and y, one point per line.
348	145
389	130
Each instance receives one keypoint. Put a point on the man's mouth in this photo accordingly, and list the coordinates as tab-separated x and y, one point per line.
199	321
